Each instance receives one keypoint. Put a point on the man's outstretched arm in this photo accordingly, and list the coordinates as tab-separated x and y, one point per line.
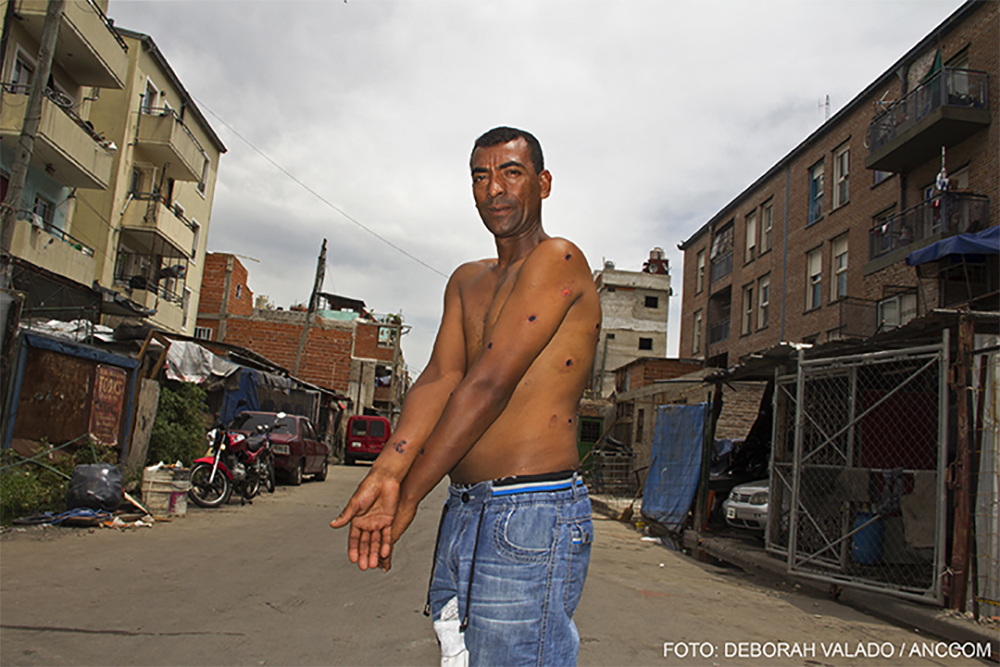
552	279
372	508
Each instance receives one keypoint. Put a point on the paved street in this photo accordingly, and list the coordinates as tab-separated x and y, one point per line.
270	584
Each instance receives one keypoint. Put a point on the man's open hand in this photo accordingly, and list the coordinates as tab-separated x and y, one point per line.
370	511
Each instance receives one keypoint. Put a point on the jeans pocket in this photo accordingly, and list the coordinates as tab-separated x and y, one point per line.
526	532
581	537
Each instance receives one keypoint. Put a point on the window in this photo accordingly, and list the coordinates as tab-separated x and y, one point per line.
135	186
22	75
766	224
814	278
609	336
652	301
896	311
149	97
841	174
763	300
44	209
746	325
645	343
196	229
751	246
203	333
838	282
204	176
721	254
239	290
879	176
815	193
640	422
699	284
696	334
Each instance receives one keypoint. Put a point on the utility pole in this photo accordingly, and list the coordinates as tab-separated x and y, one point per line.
317	286
32	119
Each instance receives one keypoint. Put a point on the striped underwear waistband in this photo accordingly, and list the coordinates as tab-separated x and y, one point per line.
549	481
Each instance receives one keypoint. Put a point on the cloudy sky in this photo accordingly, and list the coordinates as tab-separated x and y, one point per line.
353	121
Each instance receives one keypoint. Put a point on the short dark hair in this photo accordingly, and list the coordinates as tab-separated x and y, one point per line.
502	135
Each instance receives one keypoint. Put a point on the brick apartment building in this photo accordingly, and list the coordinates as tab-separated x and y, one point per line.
814	250
345	349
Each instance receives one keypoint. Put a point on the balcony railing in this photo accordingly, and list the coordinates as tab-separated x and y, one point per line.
164	139
722	266
947	108
718	332
949	213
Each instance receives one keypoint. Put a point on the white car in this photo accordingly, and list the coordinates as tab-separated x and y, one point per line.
746	506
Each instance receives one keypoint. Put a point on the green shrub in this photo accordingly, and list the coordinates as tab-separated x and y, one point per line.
28	487
179	428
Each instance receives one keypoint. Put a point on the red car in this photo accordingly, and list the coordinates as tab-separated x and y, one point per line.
298	450
366	436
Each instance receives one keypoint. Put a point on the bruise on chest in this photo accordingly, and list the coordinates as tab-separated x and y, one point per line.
482	302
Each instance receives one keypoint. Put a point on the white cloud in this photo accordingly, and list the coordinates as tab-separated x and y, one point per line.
653	116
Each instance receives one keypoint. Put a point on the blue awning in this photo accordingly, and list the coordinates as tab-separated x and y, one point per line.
986	242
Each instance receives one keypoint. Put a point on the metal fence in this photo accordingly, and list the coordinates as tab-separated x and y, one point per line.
986	486
857	484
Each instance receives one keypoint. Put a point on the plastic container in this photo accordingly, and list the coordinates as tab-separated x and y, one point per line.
164	490
868	542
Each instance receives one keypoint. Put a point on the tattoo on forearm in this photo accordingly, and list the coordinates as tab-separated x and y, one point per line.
421	451
400	446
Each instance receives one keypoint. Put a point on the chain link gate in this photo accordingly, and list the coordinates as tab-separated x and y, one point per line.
857	484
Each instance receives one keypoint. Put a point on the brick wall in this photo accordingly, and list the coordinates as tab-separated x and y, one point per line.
326	357
366	344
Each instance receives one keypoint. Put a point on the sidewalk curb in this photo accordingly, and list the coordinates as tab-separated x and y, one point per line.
924	619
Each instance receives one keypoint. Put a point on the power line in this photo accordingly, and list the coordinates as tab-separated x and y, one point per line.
317	195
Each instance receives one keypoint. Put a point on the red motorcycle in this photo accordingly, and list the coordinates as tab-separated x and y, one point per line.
235	463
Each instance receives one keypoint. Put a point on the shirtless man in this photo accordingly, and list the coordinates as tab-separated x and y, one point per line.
495	409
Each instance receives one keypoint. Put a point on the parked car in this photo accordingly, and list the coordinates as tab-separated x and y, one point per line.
298	450
366	436
746	506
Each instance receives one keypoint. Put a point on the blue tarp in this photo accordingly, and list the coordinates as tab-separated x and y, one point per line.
675	464
986	242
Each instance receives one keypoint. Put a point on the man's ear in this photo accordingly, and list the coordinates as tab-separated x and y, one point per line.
545	181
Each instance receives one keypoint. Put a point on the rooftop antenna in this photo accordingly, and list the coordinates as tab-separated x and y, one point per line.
825	105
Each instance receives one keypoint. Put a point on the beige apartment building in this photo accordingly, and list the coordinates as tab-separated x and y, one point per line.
114	215
51	262
150	226
815	249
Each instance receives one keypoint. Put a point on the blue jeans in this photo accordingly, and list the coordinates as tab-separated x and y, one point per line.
515	561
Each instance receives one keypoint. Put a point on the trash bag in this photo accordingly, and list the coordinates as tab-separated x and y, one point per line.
98	486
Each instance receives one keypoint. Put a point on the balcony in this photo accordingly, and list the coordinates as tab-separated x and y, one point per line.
164	139
65	146
718	332
947	214
946	109
148	213
88	47
52	249
153	274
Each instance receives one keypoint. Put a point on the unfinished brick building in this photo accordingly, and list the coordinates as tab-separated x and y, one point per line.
343	348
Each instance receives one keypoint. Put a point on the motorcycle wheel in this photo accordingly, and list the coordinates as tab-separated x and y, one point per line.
251	485
205	494
269	475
